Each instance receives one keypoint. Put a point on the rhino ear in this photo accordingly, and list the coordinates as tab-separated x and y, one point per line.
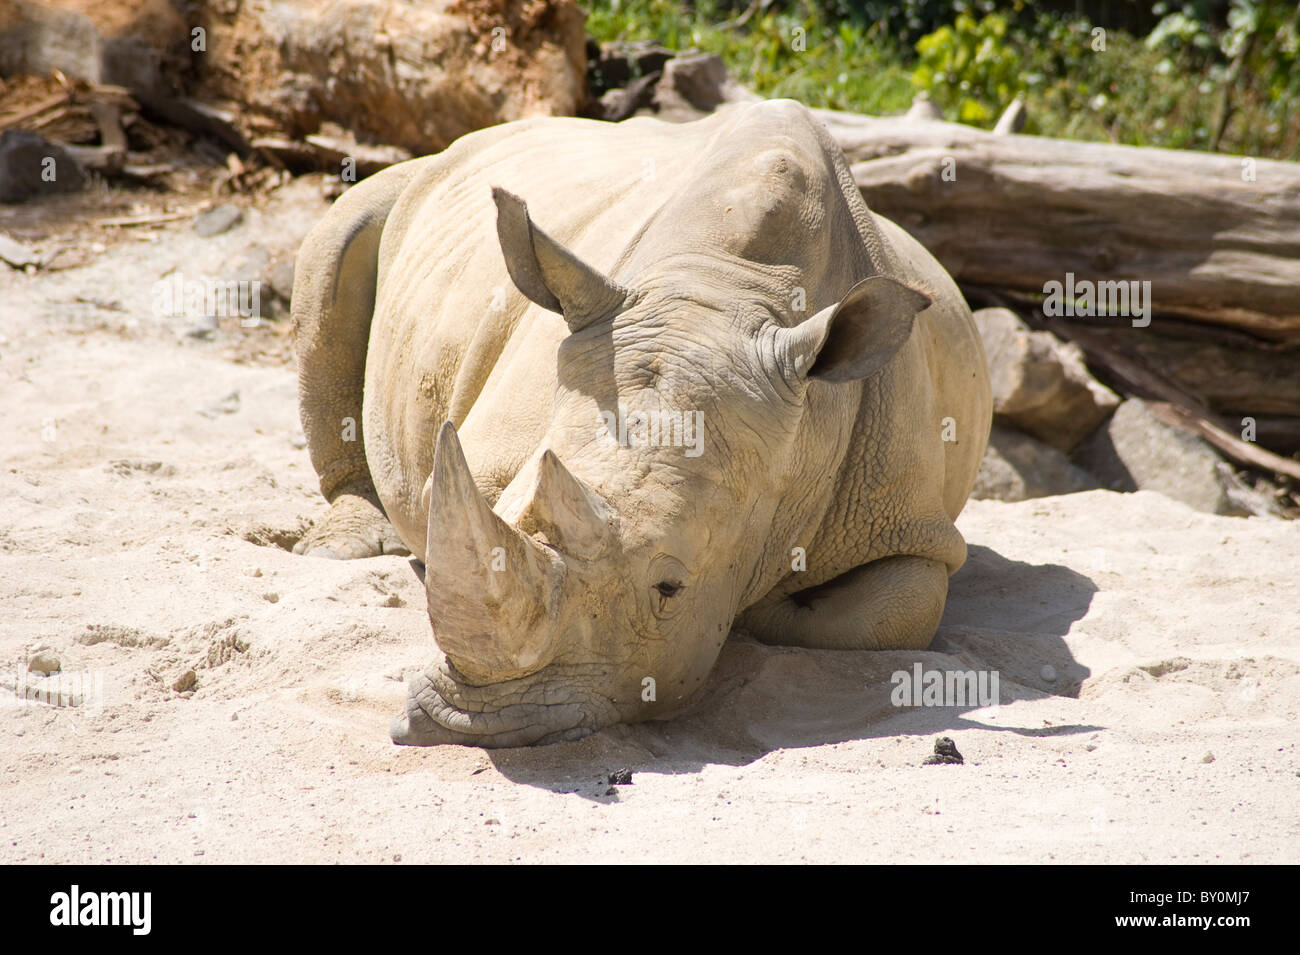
548	273
855	337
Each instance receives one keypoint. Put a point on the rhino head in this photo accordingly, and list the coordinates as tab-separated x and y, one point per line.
602	584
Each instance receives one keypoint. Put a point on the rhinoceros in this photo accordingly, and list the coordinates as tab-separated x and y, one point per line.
623	387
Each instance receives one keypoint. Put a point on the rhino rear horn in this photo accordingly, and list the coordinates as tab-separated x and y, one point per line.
548	273
573	518
490	588
855	337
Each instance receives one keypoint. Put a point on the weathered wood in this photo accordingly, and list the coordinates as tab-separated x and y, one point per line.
1019	211
1231	380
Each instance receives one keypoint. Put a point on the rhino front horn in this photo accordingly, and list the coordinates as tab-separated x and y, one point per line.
491	589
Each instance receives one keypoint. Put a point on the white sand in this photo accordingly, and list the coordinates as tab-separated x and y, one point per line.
140	543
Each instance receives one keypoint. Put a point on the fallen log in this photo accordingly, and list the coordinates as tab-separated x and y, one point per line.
1218	237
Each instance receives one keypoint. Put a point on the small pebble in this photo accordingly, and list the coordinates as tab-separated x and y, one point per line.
186	681
1049	673
217	220
1207	758
945	751
620	777
205	329
44	662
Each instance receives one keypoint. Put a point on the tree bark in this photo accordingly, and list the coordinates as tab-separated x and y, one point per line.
1016	212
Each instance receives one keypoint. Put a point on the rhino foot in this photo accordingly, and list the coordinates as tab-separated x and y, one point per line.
354	527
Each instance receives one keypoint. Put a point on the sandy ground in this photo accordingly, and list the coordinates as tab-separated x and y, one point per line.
147	514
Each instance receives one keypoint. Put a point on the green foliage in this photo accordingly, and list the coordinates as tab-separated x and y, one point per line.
972	57
969	69
799	50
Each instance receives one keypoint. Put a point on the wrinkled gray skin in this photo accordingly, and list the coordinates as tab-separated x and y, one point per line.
726	267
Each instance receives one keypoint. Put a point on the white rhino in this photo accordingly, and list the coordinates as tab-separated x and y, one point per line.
585	553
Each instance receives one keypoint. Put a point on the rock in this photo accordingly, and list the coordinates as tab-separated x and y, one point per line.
945	751
694	85
17	254
205	329
227	405
31	166
1017	467
186	682
217	220
621	777
280	277
44	661
1207	758
1040	384
617	105
1135	450
615	66
1049	673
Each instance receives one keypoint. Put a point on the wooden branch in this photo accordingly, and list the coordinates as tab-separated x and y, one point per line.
10	120
1243	451
148	219
1019	211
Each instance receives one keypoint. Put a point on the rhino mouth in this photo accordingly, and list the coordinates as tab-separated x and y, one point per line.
443	709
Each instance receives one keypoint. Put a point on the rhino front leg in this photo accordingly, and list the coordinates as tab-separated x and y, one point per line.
354	526
890	604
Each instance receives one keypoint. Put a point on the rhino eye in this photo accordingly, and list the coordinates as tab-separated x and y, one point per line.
668	588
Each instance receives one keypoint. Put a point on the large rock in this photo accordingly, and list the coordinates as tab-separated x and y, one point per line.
1017	467
31	166
694	85
1135	450
1040	384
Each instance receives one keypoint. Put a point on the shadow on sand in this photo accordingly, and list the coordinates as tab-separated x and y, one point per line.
1002	616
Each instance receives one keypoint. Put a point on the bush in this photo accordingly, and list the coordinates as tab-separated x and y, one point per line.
1177	87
